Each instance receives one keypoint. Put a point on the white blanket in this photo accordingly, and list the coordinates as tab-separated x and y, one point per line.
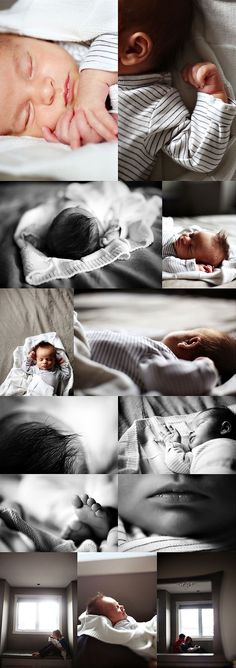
27	158
19	383
212	40
141	640
111	204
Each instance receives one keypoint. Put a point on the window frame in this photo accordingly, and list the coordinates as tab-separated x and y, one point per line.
199	606
37	598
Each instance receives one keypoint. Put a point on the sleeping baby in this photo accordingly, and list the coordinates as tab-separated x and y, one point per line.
211	444
192	248
185	362
152	114
50	367
102	609
44	94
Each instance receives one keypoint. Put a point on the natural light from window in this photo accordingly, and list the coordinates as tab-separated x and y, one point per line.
37	614
196	622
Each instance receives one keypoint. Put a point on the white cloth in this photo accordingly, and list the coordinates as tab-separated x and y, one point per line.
111	204
150	364
153	117
141	639
18	382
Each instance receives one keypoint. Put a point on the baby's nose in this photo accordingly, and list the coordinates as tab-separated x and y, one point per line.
43	91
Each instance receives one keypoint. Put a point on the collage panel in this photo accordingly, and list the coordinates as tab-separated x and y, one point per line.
66	435
195	603
50	128
38	610
117	611
58	513
198	235
191	435
180	343
176	513
36	334
85	236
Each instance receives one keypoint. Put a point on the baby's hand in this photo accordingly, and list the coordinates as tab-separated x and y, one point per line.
73	129
206	78
92	94
205	267
32	355
60	360
174	436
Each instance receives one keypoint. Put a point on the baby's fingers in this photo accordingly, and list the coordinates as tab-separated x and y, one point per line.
49	135
104	124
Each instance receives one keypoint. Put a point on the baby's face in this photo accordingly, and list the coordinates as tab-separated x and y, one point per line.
112	609
46	358
179	505
204	428
200	246
38	82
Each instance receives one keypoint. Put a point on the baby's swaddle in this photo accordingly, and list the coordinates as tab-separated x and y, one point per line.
111	203
18	382
216	456
141	640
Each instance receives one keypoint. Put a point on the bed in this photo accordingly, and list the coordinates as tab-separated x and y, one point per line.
212	40
147	314
213	224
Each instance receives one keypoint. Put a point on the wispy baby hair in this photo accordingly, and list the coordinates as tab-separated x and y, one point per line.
73	234
94	604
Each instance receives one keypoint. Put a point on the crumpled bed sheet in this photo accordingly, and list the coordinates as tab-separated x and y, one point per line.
111	204
222	276
142	640
19	383
30	159
142	447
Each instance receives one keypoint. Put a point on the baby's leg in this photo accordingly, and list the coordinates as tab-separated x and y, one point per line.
89	520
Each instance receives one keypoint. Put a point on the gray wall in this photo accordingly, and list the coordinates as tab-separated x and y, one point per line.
4	611
137	592
189	565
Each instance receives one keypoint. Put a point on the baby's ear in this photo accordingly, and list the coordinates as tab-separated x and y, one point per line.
225	428
190	343
136	50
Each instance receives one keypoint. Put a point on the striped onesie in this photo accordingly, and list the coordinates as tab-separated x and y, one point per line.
150	364
153	116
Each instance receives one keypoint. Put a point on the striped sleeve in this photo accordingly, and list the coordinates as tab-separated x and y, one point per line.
102	53
178	377
177	460
197	142
174	265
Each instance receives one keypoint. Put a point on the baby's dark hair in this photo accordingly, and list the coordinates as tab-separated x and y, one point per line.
168	23
43	344
223	245
73	234
34	447
223	414
94	604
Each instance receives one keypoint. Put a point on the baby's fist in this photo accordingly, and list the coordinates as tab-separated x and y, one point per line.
206	78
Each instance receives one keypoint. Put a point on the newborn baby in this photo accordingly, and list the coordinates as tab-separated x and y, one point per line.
211	446
192	249
44	361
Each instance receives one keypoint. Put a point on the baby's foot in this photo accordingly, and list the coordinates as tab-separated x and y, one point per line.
89	521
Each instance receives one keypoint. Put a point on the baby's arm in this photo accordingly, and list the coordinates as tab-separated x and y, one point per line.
197	142
174	265
29	362
178	377
64	368
177	460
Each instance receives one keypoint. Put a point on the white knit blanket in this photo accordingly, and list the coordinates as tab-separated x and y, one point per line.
19	383
141	640
111	203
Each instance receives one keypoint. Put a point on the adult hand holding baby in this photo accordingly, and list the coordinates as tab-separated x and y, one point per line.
206	78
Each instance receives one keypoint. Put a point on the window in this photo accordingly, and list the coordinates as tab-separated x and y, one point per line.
196	621
37	614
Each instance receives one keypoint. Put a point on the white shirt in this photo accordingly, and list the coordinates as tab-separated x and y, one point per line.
152	116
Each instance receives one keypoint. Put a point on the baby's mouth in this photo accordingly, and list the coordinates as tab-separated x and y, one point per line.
177	496
68	90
